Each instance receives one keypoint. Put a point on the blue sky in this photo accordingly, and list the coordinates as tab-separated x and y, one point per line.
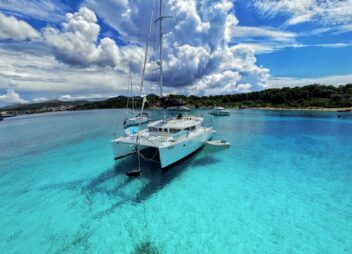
83	49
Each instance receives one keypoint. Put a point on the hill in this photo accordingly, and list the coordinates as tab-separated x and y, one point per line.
41	107
317	96
311	96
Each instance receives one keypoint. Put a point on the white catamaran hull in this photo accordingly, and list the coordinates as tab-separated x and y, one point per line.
122	149
169	153
173	153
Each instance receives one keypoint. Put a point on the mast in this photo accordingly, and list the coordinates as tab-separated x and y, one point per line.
160	19
132	99
161	48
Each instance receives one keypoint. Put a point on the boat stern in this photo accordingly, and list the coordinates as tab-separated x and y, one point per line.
121	149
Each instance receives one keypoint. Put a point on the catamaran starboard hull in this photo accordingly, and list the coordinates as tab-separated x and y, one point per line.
173	153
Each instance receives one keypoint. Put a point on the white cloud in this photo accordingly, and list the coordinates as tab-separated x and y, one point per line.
41	75
10	97
235	71
46	10
206	50
332	45
17	30
336	80
331	29
263	39
269	47
328	12
343	28
196	36
68	97
77	44
41	99
198	56
266	32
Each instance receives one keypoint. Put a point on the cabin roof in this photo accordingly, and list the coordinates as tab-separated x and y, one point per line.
184	122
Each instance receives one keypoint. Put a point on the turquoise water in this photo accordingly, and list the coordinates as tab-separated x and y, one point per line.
284	186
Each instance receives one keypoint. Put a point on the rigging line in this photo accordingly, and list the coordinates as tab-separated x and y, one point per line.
132	95
142	81
147	48
128	89
150	159
154	41
117	119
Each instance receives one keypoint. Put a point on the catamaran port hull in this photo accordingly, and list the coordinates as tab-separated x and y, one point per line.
122	149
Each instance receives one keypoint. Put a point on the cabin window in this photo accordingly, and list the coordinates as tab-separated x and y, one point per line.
165	130
160	129
174	130
152	129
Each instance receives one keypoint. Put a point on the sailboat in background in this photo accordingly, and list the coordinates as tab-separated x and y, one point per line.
136	119
171	140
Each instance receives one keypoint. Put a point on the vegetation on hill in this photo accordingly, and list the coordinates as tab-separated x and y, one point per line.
320	96
311	96
41	107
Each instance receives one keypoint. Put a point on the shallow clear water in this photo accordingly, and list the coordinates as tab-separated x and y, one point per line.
284	186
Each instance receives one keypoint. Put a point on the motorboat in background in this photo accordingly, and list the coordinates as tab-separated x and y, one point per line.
179	109
220	111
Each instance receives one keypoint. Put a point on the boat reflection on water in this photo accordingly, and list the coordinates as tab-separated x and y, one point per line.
153	179
124	190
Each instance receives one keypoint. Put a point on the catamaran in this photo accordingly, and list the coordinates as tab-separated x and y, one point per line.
172	139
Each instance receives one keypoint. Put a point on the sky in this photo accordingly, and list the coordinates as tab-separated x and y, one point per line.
85	49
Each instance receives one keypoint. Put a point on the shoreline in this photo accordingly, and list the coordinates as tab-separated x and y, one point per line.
304	109
337	110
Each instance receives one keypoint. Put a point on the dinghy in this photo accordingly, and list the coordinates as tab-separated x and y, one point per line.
218	143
